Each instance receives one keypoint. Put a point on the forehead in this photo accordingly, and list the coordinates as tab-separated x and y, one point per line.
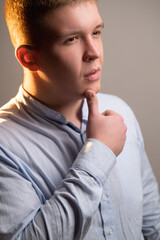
82	16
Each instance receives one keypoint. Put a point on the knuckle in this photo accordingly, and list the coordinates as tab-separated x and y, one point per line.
108	113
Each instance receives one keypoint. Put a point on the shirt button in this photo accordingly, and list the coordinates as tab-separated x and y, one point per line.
110	232
58	116
88	146
104	197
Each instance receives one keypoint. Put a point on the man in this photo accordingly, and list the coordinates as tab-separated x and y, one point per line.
67	171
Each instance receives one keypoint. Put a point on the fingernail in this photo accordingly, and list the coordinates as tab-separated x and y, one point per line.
89	94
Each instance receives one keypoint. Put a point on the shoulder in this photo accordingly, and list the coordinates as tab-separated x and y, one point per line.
114	103
8	109
9	123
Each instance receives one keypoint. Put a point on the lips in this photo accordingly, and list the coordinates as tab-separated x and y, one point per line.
93	75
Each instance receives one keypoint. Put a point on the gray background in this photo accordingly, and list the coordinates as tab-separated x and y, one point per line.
131	67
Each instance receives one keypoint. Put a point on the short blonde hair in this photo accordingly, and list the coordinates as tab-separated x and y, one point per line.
24	18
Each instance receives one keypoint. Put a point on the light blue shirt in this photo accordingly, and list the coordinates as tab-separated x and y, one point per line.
57	185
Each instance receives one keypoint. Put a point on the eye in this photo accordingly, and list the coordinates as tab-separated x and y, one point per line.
71	40
97	33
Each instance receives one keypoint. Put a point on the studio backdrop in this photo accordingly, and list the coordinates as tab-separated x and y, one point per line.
131	70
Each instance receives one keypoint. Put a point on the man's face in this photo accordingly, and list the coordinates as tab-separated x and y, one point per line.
71	58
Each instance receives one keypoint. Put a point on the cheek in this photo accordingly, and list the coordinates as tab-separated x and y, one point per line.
65	70
101	52
70	62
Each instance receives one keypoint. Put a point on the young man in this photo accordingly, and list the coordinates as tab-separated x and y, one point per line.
67	171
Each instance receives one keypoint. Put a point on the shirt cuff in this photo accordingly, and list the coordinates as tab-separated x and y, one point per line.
96	159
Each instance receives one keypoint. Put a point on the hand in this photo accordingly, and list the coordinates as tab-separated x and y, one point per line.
108	127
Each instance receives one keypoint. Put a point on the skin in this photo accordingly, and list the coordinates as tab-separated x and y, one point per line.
108	127
72	51
68	68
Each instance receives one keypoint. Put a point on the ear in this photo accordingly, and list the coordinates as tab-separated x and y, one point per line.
27	56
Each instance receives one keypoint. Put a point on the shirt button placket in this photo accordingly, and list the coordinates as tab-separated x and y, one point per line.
104	198
108	218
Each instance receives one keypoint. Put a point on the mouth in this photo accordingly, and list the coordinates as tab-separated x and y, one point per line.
93	75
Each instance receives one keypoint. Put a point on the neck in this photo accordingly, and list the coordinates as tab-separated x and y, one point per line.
43	92
72	112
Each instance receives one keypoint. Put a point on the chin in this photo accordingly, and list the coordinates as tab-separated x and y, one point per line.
96	88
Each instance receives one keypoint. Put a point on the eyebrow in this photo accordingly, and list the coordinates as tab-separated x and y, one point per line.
67	34
101	25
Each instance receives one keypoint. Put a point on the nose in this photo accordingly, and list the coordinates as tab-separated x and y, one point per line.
91	51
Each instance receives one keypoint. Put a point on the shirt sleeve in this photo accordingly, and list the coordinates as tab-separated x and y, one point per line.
68	213
151	198
151	203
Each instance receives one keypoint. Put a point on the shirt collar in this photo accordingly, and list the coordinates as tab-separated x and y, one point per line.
32	105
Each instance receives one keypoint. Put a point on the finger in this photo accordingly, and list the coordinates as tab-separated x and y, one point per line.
92	102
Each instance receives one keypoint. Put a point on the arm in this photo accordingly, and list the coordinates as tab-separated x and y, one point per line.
68	213
151	202
151	197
